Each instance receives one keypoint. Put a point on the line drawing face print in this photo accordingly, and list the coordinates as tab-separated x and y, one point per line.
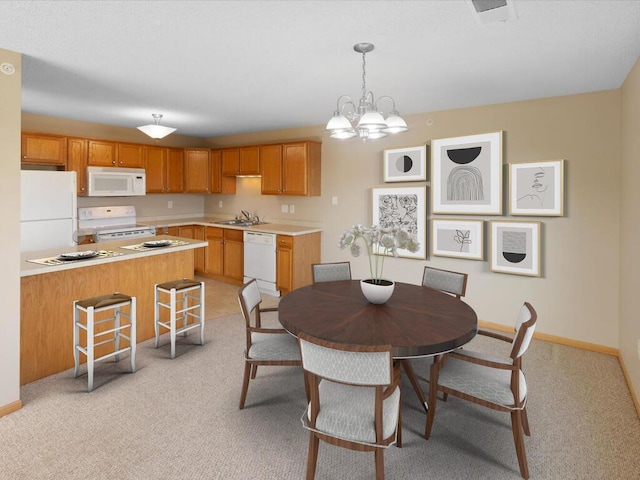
535	185
399	211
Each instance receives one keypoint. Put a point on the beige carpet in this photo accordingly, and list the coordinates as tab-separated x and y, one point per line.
179	419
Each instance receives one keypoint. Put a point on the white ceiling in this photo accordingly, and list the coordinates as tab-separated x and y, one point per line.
222	67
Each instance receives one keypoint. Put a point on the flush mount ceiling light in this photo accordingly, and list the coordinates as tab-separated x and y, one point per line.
366	120
156	130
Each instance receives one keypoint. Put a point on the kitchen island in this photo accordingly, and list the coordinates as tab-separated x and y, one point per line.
50	285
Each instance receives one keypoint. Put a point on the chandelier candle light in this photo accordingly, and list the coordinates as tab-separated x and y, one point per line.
371	121
156	130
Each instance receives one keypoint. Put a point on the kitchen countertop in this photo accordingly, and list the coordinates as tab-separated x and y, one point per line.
267	227
28	268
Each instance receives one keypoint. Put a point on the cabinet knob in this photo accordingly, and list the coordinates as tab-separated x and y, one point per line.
82	189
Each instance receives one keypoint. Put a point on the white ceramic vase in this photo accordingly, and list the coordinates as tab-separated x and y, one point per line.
379	292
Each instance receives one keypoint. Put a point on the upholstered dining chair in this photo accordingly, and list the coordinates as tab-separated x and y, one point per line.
265	345
454	283
354	393
331	272
490	381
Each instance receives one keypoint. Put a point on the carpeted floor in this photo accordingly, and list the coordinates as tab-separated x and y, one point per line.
179	419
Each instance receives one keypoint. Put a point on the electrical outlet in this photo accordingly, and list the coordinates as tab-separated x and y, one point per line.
292	209
285	208
219	203
334	200
170	204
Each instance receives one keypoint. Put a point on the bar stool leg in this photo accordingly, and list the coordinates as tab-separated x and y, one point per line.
201	313
172	321
185	304
116	317
156	316
132	334
76	340
90	354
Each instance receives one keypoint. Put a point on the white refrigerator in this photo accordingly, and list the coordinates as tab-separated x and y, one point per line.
48	209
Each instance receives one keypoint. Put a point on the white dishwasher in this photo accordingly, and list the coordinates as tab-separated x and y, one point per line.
260	260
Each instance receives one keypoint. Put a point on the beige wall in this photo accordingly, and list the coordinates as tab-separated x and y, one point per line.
10	87
630	228
577	295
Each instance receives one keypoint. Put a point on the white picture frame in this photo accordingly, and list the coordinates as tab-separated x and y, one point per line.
407	164
466	174
515	247
457	238
404	206
537	188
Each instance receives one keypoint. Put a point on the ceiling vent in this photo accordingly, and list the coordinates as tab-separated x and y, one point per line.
486	12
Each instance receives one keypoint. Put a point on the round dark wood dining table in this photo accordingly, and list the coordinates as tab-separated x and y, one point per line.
416	321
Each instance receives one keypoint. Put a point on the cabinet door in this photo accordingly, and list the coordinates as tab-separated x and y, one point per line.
284	266
175	171
77	162
231	161
102	154
186	231
155	165
271	169
215	251
173	231
196	166
250	161
44	149
294	169
200	254
130	155
218	182
233	254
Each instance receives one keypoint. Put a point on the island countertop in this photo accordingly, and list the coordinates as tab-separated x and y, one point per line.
111	251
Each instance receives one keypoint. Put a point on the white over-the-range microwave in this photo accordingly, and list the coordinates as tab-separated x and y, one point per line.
116	182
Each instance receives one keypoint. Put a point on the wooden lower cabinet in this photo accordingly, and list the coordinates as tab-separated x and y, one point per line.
294	257
234	255
196	232
215	251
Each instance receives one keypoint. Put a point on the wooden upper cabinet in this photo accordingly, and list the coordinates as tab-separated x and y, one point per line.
77	161
130	155
175	170
217	182
297	173
164	167
271	169
230	161
250	161
196	170
41	149
156	168
101	153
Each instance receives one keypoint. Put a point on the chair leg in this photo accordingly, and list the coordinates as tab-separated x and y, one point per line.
399	431
254	370
516	427
245	384
201	313
379	453
156	314
525	422
312	458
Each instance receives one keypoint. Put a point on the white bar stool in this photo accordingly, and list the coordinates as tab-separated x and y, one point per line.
180	291
90	307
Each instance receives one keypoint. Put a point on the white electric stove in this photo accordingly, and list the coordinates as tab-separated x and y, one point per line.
112	223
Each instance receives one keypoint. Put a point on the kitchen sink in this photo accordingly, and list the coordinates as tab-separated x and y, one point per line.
239	223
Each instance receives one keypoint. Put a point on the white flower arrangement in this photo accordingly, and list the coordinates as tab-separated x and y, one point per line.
379	242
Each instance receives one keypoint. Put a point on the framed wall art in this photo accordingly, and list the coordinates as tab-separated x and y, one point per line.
466	174
537	188
402	206
457	238
515	247
405	164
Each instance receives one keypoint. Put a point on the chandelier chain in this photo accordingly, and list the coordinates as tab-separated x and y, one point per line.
364	76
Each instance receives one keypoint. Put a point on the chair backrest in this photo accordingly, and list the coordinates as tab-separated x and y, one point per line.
370	365
249	298
447	281
331	272
525	326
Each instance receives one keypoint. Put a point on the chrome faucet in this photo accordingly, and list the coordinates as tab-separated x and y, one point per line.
246	215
